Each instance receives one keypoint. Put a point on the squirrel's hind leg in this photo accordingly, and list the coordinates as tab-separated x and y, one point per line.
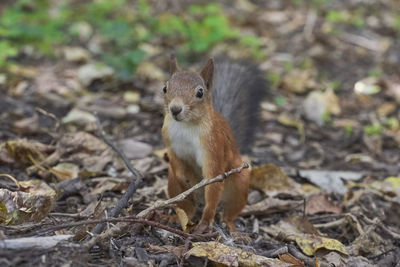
235	197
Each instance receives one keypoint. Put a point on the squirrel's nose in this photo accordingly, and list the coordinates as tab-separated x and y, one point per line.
175	110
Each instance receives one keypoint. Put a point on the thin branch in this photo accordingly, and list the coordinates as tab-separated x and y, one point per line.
131	219
123	202
183	195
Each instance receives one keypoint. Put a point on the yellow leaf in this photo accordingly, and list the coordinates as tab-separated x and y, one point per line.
182	217
221	254
3	213
309	244
395	181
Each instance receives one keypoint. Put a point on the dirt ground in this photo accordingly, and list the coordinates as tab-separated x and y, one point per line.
354	143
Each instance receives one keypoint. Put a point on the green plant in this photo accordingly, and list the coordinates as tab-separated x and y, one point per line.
209	27
280	101
274	78
348	130
6	51
373	129
123	27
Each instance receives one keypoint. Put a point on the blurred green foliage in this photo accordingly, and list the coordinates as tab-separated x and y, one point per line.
123	26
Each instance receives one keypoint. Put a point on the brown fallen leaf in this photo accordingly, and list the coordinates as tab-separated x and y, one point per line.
272	180
290	228
318	203
295	262
271	205
177	251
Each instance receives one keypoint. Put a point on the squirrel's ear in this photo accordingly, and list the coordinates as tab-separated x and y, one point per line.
207	73
173	64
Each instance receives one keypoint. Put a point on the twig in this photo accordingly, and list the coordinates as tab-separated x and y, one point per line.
131	219
50	115
370	44
116	229
183	195
123	202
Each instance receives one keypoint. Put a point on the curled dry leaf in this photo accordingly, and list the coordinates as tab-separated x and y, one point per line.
31	205
23	151
183	218
221	254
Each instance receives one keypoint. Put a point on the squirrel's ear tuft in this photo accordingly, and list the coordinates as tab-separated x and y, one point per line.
173	64
207	73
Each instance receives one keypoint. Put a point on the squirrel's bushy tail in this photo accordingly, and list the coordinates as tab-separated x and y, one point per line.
238	91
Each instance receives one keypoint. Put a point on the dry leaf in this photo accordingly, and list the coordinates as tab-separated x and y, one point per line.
229	256
270	205
32	205
320	203
272	180
309	244
65	171
295	262
182	217
291	228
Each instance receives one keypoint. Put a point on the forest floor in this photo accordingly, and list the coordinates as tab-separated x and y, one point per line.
326	158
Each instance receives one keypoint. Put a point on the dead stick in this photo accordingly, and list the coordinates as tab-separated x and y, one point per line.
123	202
127	219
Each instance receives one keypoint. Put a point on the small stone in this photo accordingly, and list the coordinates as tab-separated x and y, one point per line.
133	109
254	197
76	54
94	71
78	116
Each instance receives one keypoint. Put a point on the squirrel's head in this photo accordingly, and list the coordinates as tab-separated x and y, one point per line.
187	95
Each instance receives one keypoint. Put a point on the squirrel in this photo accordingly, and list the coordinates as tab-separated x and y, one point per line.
210	117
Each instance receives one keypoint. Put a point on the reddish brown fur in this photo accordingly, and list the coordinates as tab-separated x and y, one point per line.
220	152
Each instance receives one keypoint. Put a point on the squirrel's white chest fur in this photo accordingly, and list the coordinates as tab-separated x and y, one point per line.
185	141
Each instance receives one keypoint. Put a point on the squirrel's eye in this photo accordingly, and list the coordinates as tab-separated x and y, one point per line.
164	89
199	93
